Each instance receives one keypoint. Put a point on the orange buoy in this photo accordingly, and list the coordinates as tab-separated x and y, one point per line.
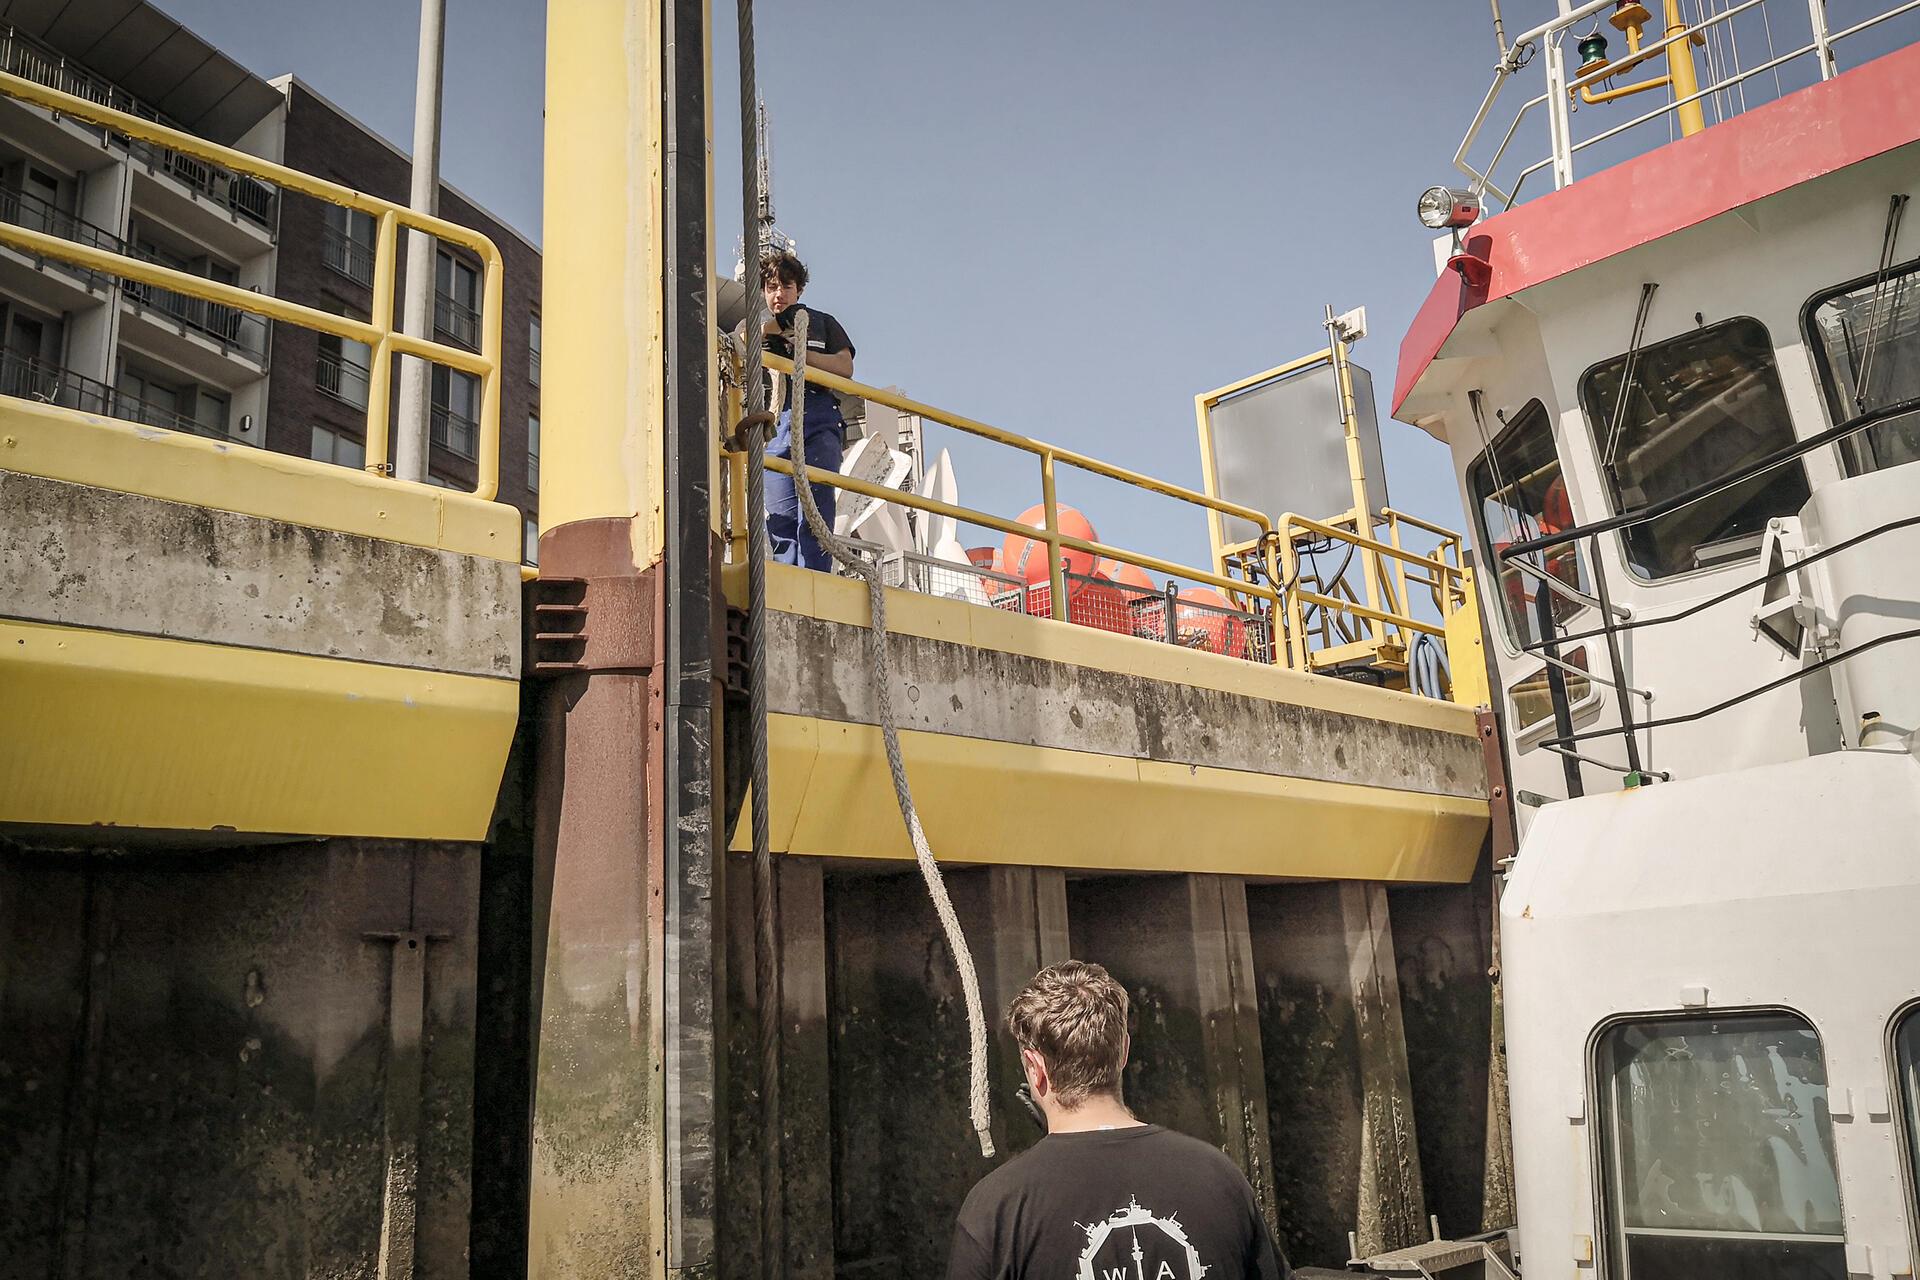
1214	625
1131	578
1027	557
1091	602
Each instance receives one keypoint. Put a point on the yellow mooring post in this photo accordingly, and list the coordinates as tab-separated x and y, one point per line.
626	883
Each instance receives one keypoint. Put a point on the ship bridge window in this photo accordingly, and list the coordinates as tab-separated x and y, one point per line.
1520	494
1699	406
1865	338
1906	1057
1716	1148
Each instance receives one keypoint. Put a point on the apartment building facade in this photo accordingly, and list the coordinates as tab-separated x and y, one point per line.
92	342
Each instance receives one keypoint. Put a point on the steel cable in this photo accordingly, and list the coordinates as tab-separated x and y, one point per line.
766	905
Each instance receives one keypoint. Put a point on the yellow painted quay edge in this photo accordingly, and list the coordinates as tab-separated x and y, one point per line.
83	448
1013	804
141	732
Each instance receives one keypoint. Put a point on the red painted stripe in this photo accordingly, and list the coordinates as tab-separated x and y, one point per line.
1860	114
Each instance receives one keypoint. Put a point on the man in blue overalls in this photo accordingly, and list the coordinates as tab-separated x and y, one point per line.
783	277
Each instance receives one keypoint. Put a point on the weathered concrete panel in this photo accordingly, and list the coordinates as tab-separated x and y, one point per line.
904	1152
83	556
199	1062
1179	944
820	669
805	1087
1443	947
1339	1099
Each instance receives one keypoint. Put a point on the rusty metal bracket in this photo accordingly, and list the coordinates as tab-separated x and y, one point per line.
580	625
737	660
1493	754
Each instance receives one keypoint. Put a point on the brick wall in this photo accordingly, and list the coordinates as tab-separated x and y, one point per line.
322	142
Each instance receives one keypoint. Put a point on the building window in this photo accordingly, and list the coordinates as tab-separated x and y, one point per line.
342	369
456	410
341	450
533	348
1717	1150
1519	494
456	300
1700	406
1865	339
532	552
346	243
533	452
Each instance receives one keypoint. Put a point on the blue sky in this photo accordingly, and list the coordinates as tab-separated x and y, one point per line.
1058	216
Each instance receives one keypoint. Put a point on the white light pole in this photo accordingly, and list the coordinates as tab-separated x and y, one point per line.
410	428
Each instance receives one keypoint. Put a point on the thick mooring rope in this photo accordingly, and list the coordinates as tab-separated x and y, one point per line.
882	664
766	903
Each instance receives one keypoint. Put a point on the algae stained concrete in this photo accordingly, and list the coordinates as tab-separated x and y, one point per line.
1179	944
905	1155
1443	947
1339	1097
199	1066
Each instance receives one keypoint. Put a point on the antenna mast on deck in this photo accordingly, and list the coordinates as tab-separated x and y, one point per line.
771	237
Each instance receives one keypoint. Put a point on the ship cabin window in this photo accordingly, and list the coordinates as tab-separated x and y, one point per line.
1697	407
1519	494
1716	1150
1865	339
1906	1058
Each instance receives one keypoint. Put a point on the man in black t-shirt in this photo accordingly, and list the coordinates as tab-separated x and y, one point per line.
783	278
1103	1196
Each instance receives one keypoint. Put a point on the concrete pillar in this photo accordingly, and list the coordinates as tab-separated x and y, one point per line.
627	1092
805	1087
1180	945
1442	947
1341	1105
904	1149
1016	923
106	200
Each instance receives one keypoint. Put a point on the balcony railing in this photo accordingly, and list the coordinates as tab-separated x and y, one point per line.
233	329
32	379
134	409
24	209
346	255
456	320
217	303
454	431
26	57
250	199
342	379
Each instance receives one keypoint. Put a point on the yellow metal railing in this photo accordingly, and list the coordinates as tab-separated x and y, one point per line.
380	335
1274	580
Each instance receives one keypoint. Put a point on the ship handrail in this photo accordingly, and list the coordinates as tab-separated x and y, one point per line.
381	335
1548	38
1276	587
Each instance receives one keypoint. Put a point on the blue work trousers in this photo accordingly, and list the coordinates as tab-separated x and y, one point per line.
791	541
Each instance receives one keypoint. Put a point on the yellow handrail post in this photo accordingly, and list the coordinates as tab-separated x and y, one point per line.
1357	468
1681	73
1296	626
736	483
1399	563
1056	566
377	333
380	361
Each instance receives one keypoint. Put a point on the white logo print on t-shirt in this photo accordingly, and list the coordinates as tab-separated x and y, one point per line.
1133	1244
